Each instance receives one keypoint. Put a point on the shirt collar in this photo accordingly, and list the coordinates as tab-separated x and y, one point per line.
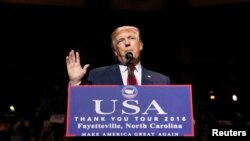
124	68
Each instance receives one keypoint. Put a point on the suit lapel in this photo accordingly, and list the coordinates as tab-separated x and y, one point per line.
115	75
146	77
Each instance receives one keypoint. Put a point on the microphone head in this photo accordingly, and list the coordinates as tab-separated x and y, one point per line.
129	56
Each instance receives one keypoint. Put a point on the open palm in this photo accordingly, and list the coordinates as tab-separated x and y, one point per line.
74	68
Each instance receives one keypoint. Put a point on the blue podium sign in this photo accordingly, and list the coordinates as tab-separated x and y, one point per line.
116	110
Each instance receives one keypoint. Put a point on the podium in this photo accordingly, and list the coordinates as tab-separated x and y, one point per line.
118	110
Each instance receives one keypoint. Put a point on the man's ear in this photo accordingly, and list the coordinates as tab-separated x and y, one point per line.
141	46
115	52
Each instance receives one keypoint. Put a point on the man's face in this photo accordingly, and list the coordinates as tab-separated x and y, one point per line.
127	40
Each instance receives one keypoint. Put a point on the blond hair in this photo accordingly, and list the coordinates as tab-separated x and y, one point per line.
121	28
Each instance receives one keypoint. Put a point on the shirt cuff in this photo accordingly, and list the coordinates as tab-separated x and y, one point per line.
77	84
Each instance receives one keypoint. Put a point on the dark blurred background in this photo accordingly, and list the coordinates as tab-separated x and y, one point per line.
198	42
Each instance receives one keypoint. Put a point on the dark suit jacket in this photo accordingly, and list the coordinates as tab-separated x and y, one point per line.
111	75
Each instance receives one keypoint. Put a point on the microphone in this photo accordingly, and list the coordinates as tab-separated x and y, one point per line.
129	57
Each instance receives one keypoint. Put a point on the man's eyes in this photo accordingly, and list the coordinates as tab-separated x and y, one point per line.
120	40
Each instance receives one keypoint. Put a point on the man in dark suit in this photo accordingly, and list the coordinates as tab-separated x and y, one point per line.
125	39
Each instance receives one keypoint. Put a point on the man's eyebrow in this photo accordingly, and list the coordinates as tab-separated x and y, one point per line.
119	38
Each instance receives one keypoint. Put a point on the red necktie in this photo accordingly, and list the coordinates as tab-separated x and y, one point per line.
132	76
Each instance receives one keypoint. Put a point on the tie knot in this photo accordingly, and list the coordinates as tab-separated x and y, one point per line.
132	67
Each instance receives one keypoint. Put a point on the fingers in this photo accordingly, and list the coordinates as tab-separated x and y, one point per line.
67	60
72	58
77	57
85	67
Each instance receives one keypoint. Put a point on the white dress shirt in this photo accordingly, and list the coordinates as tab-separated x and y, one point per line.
137	72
